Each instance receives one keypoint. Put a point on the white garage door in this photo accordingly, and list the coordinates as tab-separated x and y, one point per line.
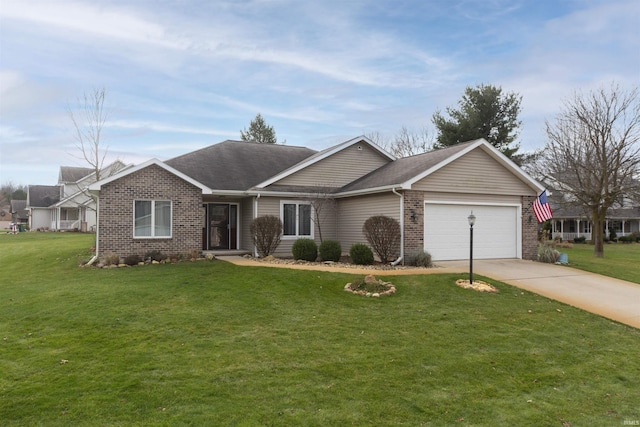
446	231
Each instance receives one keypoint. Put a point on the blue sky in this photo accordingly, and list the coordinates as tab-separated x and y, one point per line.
185	74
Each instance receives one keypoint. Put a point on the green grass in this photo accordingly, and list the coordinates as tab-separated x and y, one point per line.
621	260
209	343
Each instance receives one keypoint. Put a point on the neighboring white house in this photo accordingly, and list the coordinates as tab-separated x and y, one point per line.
68	205
571	221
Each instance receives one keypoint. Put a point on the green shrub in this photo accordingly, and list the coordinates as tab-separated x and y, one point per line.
580	239
361	254
132	259
305	249
626	239
548	253
330	250
613	236
419	258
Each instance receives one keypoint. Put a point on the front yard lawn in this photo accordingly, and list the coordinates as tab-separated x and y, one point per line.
210	343
621	260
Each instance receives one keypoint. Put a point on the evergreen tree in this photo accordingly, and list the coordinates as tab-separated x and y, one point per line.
259	132
485	112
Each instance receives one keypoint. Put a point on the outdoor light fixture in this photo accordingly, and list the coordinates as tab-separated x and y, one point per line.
413	215
472	221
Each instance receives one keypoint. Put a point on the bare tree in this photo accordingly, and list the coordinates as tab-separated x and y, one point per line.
322	201
88	123
405	143
593	151
408	143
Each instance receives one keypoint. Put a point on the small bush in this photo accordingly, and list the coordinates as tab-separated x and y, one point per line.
155	256
361	254
383	234
626	239
548	253
580	239
265	234
111	259
305	249
613	236
419	258
330	250
132	259
565	245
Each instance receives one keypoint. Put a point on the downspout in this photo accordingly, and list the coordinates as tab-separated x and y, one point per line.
255	215
401	257
95	257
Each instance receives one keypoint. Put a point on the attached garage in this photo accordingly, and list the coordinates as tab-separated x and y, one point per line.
496	233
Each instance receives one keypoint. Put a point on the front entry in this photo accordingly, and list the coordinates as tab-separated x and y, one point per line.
221	226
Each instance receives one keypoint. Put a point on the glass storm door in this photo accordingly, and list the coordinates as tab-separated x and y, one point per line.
222	220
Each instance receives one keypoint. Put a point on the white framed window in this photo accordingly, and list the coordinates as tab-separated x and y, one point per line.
296	219
152	218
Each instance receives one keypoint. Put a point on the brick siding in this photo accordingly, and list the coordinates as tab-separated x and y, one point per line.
413	229
529	229
151	183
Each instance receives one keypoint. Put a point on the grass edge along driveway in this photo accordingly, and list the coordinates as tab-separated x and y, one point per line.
209	343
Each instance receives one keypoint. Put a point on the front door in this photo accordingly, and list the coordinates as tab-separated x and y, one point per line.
222	228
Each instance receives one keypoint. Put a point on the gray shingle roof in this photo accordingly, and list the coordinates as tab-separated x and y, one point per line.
72	173
403	169
238	165
43	196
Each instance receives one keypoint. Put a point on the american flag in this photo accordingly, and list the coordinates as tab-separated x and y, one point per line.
541	208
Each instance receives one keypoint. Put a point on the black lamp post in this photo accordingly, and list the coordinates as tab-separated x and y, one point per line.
472	221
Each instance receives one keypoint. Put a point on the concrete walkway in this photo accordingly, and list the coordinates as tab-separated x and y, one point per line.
615	299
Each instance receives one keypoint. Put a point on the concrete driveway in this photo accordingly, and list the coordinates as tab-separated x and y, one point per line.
612	298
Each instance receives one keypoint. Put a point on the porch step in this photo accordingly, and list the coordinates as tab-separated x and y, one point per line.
226	252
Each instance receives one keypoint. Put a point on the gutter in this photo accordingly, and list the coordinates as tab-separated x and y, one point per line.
401	257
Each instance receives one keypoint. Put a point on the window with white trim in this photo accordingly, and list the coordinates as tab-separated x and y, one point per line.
151	218
296	219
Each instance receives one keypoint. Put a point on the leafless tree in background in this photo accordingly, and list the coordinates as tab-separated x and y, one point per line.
593	151
88	122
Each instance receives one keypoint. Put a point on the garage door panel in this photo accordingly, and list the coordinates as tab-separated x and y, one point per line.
447	231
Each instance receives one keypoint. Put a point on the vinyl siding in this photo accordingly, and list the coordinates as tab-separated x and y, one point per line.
328	217
246	216
353	212
475	172
338	169
470	198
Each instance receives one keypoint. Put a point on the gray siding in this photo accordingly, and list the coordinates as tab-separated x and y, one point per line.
246	216
338	169
328	218
470	198
354	211
475	172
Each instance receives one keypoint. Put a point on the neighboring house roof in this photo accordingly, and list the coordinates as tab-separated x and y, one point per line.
42	196
407	170
238	165
19	209
72	174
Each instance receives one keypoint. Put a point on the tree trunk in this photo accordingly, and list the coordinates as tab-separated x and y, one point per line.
598	233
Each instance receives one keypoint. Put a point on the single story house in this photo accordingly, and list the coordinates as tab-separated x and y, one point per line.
206	199
573	222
